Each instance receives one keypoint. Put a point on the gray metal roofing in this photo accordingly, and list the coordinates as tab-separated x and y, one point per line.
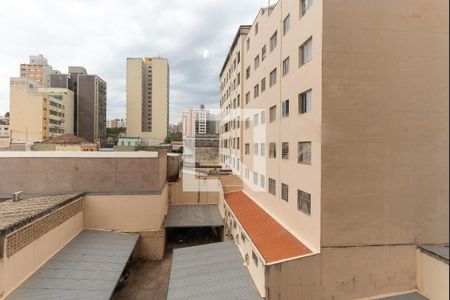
193	216
442	251
210	272
87	268
413	296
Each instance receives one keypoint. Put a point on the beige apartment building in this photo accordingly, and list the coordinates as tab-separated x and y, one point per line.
331	106
148	99
38	113
38	70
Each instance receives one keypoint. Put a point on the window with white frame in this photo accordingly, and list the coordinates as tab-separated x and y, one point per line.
272	186
305	102
263	117
262	182
273	41
305	52
255	178
304	202
304	153
285	192
263	149
305	5
285	109
256	120
286	24
273	77
286	66
255	149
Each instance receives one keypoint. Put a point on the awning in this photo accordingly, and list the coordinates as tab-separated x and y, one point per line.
210	272
89	267
182	216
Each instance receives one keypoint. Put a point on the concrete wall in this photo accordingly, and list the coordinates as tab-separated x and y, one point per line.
344	273
16	269
178	195
82	172
432	276
385	122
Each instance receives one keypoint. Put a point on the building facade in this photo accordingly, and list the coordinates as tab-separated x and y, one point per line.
116	123
148	99
37	70
328	128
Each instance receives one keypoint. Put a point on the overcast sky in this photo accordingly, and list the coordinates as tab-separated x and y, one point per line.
194	35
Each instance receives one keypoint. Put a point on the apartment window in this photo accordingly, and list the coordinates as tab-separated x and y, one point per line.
273	78
272	150
305	5
285	192
273	114
256	91
247	149
263	117
238	146
304	202
257	62
239	57
247	123
239	100
263	149
238	122
287	24
247	73
256	28
255	258
286	66
305	52
305	102
285	150
239	79
256	120
247	98
255	178
255	149
263	53
304	153
247	173
263	84
262	181
272	186
285	109
243	237
273	41
248	44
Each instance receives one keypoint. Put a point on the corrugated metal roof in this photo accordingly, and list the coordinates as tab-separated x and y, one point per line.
210	272
413	296
87	268
265	231
179	216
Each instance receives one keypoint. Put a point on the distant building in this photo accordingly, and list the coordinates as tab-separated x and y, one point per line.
148	99
176	128
116	123
67	142
38	70
198	121
4	127
129	141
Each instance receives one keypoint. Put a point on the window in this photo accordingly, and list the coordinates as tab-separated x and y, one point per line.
256	62
256	28
286	24
255	149
262	181
247	173
263	149
239	57
248	44
255	178
273	113
305	102
305	5
286	66
247	98
239	79
272	186
247	123
263	117
285	192
305	52
256	120
256	91
285	150
273	78
263	84
247	73
243	238
255	258
304	202
304	153
285	109
263	53
272	150
247	149
273	41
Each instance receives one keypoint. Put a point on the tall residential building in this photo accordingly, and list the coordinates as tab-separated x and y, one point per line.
38	113
329	108
148	99
116	123
90	96
38	70
198	121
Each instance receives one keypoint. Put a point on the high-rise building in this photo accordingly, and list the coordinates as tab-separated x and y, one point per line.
38	113
198	121
38	70
148	99
329	108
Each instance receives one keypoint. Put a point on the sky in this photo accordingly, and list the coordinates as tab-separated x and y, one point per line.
195	35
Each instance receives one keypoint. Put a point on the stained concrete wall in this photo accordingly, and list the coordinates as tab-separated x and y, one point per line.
82	172
432	276
385	166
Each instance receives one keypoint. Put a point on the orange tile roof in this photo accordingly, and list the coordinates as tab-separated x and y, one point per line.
273	241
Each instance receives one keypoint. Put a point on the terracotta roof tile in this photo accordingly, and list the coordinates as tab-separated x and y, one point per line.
273	241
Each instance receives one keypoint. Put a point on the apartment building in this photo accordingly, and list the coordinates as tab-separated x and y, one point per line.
198	121
116	123
332	129
148	99
38	70
231	102
38	113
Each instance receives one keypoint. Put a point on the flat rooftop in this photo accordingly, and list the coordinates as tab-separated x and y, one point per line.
70	154
412	296
14	215
265	231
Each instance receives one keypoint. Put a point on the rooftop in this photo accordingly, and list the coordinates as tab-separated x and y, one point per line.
265	231
14	215
66	139
412	296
